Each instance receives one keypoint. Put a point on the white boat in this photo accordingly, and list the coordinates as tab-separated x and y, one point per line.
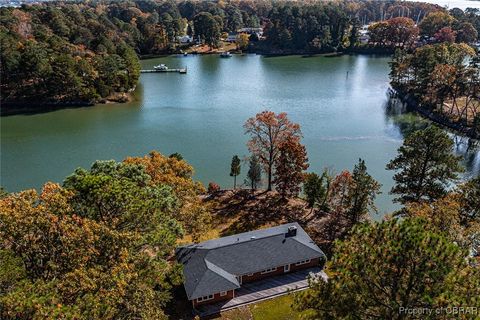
225	54
160	67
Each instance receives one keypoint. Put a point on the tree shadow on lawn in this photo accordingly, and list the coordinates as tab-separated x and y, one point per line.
255	210
240	210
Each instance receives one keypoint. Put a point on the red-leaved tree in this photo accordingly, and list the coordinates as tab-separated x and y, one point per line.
445	35
268	131
290	165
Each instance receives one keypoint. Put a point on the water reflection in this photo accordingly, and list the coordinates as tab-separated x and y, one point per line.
402	123
470	151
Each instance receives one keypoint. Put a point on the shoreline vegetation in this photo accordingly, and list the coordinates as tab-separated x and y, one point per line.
440	82
25	108
29	107
413	106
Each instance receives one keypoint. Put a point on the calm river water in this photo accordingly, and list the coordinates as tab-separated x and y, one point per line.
340	103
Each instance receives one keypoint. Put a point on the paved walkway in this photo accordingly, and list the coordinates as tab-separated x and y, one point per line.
262	290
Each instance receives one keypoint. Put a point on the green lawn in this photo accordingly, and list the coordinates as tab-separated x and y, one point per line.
274	309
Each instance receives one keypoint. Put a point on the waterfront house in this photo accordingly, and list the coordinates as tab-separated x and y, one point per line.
185	39
232	37
214	270
258	31
364	36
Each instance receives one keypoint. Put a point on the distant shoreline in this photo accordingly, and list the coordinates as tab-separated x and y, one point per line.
25	107
273	52
281	53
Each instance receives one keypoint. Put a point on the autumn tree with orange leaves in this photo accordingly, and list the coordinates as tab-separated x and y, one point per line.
397	32
290	165
339	191
177	174
350	199
268	132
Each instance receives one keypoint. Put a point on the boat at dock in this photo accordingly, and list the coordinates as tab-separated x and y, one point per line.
225	54
162	70
161	67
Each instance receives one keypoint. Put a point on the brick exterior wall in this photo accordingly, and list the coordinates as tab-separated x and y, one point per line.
258	275
216	297
312	263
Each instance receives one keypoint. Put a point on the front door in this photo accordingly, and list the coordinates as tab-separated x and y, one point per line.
286	268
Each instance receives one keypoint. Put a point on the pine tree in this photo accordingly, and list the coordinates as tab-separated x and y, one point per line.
363	193
316	189
384	267
289	167
470	202
425	166
235	169
254	175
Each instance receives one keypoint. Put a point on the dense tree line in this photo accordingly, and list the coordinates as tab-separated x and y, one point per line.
438	26
330	26
453	26
81	53
434	68
392	33
98	246
64	55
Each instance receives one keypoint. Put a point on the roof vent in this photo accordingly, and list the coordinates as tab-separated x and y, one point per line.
291	231
253	238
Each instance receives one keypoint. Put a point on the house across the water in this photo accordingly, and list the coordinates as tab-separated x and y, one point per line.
232	37
213	270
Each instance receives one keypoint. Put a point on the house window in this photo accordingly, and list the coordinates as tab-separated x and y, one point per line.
302	262
223	293
209	297
268	270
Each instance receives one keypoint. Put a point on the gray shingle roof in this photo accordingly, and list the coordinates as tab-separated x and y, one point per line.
212	266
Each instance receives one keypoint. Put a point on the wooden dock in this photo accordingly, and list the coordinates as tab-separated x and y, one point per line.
182	70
